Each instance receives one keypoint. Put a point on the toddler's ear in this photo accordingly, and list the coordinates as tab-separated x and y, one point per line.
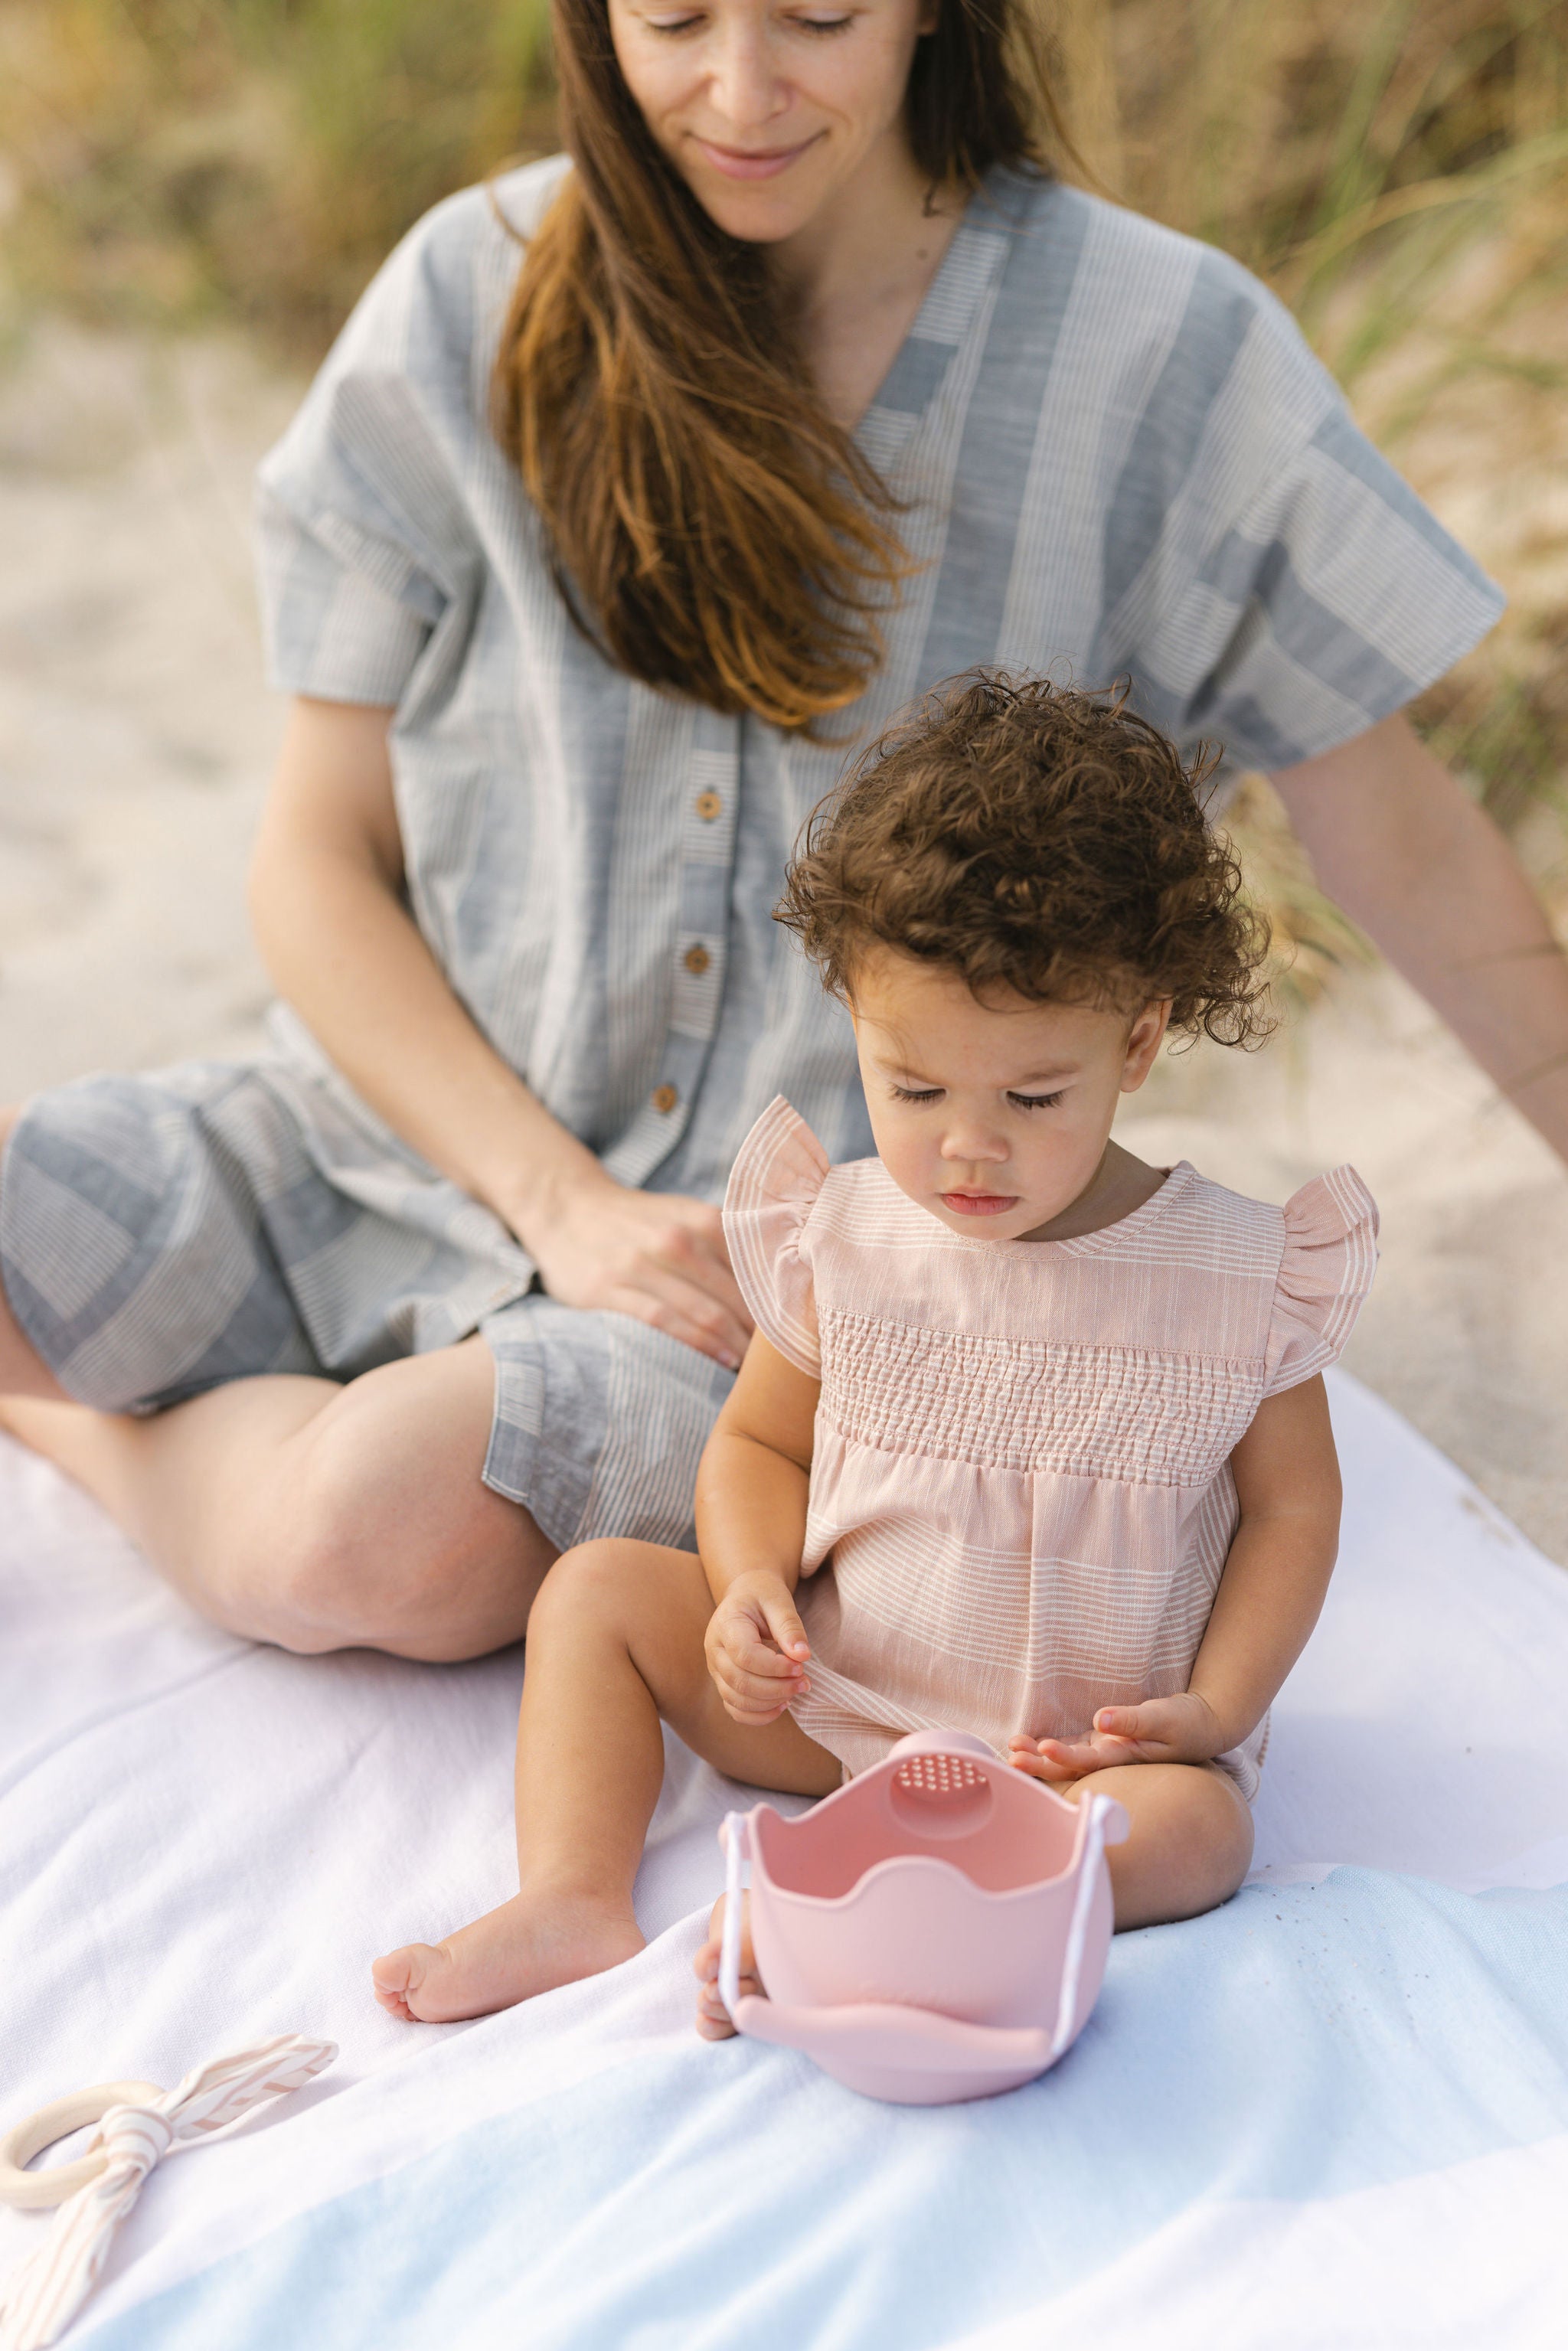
1145	1038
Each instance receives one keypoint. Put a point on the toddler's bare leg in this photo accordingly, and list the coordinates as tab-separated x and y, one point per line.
1191	1840
614	1642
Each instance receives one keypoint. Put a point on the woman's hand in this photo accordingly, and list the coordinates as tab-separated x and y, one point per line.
756	1648
655	1255
1183	1730
328	867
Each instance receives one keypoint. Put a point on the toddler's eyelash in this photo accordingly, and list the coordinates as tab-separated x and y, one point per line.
933	1093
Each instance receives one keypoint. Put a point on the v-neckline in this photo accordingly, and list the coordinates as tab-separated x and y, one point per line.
914	373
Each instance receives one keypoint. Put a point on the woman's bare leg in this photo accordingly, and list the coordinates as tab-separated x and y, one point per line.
616	1641
314	1516
303	1512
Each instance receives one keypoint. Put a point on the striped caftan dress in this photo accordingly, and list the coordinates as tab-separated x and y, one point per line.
1117	458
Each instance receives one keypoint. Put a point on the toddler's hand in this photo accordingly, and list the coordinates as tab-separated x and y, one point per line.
757	1649
1181	1729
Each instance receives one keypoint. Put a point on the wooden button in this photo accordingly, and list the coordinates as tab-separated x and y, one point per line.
708	806
665	1098
696	959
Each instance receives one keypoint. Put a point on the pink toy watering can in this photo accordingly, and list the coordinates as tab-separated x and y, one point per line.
935	1931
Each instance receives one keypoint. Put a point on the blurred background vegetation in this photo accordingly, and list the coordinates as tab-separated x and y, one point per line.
1396	168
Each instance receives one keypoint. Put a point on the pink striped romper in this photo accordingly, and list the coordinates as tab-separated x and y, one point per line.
1021	1497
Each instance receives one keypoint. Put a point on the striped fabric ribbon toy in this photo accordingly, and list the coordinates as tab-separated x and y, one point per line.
50	2286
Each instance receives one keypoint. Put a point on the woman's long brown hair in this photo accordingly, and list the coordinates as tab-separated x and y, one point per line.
711	527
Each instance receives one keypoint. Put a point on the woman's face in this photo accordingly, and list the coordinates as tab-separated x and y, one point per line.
771	110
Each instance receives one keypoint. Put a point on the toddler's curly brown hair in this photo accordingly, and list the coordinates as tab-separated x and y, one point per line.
1041	841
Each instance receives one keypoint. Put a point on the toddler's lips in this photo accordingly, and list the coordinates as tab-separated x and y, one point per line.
979	1204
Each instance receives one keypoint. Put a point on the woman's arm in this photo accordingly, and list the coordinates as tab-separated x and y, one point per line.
1397	842
326	903
1276	1573
752	1487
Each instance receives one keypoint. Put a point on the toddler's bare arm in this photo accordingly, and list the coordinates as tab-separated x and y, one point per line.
751	1529
1278	1569
1276	1574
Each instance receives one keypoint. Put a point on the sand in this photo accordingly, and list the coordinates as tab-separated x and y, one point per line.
135	740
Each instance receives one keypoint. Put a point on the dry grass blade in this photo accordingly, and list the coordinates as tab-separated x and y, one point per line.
1397	169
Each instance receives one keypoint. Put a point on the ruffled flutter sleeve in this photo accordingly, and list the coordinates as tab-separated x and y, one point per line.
1331	1254
777	1175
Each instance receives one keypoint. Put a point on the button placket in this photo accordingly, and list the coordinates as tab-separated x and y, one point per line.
708	855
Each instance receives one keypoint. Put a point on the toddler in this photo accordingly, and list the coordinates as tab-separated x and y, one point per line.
1031	1439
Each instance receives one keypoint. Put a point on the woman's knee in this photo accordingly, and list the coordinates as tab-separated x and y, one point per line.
412	1553
335	1574
346	1579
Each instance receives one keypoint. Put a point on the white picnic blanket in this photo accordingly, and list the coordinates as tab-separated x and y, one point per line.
1333	2113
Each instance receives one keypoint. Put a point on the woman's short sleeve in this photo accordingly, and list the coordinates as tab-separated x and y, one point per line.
350	588
366	533
1330	1257
1274	584
774	1185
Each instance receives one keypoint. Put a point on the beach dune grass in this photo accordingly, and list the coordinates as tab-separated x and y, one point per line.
1398	170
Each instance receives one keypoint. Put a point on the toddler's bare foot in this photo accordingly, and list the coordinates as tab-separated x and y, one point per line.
713	2017
529	1945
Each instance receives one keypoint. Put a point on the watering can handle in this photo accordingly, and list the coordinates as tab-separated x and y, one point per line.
737	1845
1106	1824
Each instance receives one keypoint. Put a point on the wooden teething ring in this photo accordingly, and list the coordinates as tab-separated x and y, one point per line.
58	2120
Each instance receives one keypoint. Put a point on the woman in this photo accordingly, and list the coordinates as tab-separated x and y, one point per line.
813	388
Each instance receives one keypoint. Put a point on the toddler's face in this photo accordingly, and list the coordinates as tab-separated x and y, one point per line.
994	1116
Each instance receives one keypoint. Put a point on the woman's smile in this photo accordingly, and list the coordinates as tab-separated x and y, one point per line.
777	86
752	164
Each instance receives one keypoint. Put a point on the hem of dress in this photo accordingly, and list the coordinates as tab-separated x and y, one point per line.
512	1465
1243	1768
138	1407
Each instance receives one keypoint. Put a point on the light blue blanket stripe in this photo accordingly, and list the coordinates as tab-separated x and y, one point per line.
1305	2042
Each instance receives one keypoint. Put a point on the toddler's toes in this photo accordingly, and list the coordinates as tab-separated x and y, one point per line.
713	2017
399	1978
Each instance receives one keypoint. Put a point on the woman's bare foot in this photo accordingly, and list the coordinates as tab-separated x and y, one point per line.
529	1945
713	2017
